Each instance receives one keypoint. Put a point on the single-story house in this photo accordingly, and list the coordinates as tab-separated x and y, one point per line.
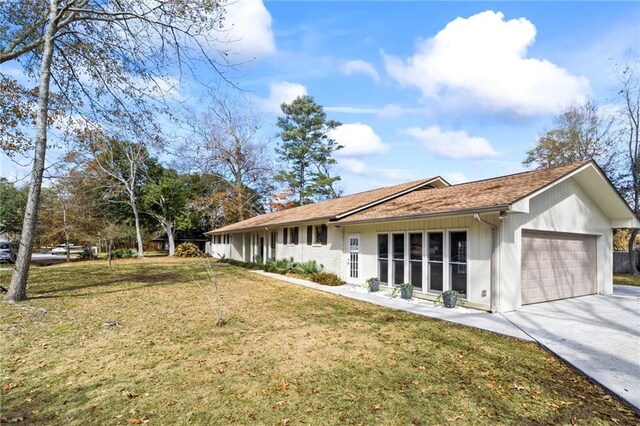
502	242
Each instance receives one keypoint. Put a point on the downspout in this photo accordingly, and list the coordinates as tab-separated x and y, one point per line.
493	288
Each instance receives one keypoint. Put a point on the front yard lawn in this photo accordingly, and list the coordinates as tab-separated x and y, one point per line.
287	355
625	279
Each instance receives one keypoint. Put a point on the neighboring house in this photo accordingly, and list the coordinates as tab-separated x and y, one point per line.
502	242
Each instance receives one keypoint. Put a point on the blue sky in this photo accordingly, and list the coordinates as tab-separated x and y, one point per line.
425	88
456	127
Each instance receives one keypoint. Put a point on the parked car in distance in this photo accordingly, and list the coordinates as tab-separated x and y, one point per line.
8	251
62	249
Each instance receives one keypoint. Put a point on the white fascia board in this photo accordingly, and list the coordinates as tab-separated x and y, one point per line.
625	223
520	206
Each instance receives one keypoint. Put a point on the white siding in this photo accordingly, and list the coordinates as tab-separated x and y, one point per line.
328	255
478	249
564	208
220	250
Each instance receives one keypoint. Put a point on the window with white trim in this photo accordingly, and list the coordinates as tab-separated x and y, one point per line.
415	260
435	261
458	261
383	258
398	252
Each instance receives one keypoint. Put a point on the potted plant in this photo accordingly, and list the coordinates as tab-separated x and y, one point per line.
449	298
373	284
406	290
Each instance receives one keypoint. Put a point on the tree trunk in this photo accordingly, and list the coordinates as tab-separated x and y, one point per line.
632	253
168	228
18	287
109	245
66	234
136	216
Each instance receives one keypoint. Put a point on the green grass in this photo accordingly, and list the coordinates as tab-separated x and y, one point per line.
625	279
287	355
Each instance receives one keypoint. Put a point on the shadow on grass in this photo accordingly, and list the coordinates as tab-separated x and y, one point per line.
120	290
150	280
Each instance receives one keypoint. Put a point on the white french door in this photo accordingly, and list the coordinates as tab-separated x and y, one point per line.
353	258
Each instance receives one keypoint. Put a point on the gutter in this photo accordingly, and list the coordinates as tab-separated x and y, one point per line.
495	291
464	212
320	220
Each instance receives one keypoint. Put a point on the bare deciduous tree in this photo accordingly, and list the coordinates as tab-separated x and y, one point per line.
580	132
107	59
228	143
630	134
120	167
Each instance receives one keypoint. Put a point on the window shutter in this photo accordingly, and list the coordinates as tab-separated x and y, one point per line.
323	233
285	236
309	235
296	235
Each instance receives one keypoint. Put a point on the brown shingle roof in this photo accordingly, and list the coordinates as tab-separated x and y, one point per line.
467	197
324	210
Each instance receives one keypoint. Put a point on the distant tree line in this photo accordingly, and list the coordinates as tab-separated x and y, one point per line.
110	189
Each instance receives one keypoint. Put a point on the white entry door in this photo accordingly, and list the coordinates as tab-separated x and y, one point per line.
353	258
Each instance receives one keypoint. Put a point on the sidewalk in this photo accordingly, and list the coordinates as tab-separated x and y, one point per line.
495	323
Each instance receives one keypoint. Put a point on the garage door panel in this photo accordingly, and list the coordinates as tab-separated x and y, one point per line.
557	266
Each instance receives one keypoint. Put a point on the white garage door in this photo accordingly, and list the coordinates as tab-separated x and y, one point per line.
557	266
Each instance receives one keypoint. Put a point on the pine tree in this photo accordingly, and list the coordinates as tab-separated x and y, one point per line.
306	151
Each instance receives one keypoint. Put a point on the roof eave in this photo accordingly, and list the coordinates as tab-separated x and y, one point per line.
269	227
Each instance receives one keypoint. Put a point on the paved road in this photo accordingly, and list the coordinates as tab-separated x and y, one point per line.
45	259
48	258
599	335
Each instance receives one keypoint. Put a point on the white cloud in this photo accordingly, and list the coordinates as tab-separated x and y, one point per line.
353	165
455	177
352	110
481	61
279	93
452	144
394	111
357	139
247	32
387	111
360	67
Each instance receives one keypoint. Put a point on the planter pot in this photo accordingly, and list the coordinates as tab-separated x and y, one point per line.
374	286
406	293
449	300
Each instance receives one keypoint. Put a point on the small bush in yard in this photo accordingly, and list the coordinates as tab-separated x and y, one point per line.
122	253
308	268
187	250
284	266
87	254
270	266
327	278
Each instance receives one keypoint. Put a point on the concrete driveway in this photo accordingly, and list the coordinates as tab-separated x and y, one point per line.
598	335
